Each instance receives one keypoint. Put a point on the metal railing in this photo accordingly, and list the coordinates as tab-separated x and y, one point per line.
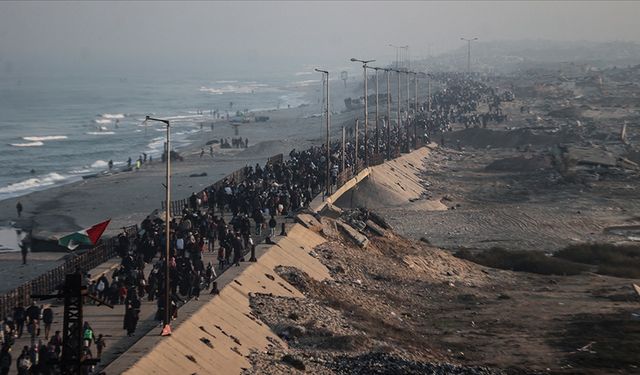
237	176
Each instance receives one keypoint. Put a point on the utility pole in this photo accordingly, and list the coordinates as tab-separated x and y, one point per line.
398	125
355	163
429	80
469	52
388	73
377	147
328	162
343	148
366	110
166	324
408	122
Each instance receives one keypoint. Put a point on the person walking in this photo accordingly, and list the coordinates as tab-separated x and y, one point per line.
24	250
47	319
24	363
100	345
5	360
19	208
272	226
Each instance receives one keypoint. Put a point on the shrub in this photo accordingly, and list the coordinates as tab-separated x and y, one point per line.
612	260
523	261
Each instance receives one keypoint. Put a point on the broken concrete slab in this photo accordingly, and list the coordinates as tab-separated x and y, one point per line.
351	233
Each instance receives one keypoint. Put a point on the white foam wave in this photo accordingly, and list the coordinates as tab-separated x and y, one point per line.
183	117
100	133
156	146
113	116
30	144
33	183
99	164
45	138
247	88
103	121
80	171
307	82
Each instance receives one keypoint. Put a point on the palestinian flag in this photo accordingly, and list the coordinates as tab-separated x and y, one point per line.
89	236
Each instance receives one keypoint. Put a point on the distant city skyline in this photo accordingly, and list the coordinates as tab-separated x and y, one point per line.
257	37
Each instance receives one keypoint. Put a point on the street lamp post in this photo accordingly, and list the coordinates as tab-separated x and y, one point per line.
328	176
398	127
415	81
398	48
415	116
343	148
388	73
166	323
366	109
429	80
469	52
377	147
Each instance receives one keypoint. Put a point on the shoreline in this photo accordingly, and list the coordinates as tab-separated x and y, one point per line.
128	197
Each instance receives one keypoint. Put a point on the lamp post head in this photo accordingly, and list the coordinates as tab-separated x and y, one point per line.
353	59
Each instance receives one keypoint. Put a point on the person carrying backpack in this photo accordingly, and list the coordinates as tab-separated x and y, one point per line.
24	362
87	335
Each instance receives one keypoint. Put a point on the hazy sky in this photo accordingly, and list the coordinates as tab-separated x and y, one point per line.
232	38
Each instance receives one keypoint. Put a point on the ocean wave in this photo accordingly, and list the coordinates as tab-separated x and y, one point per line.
113	116
307	82
80	171
100	133
30	144
33	183
99	164
102	121
156	146
45	138
247	88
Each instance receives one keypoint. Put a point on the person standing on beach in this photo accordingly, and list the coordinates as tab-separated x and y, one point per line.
19	208
24	250
110	164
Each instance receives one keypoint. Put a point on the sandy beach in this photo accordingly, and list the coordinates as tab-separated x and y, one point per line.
128	197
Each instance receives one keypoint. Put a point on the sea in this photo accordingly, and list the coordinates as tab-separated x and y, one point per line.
57	129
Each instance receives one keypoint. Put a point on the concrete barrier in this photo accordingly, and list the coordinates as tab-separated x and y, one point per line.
216	334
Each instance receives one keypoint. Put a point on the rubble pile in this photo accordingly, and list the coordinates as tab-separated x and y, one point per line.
383	363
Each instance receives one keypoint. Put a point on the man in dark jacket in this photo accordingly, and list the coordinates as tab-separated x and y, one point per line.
47	319
19	316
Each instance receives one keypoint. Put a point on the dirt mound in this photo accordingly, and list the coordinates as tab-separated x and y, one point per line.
392	184
520	164
482	138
